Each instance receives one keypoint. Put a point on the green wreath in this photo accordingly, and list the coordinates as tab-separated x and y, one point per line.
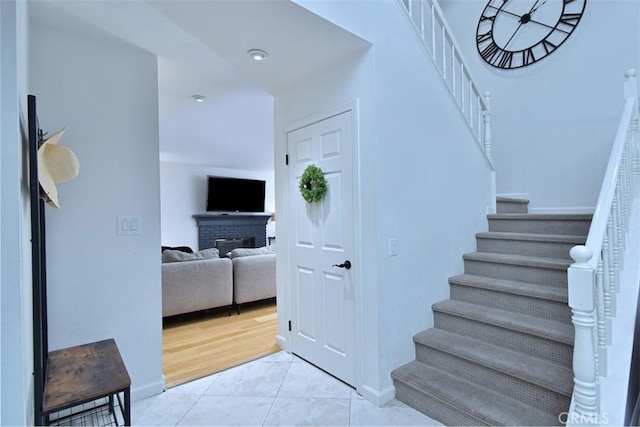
312	185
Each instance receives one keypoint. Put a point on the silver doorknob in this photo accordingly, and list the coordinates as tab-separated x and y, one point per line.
346	264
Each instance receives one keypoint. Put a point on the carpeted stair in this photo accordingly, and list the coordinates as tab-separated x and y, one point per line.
501	348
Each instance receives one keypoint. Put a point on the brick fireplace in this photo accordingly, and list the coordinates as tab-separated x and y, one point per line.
231	230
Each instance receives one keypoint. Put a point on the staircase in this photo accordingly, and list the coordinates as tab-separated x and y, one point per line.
500	351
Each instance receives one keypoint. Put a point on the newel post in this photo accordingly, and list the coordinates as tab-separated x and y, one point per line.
486	116
581	300
630	84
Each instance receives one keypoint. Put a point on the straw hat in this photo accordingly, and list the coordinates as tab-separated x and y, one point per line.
56	164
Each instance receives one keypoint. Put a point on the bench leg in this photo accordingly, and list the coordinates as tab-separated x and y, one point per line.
127	406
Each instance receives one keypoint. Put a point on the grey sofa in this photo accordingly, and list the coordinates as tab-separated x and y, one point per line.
199	284
199	281
254	278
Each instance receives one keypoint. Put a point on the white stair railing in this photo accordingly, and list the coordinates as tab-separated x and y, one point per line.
597	276
436	39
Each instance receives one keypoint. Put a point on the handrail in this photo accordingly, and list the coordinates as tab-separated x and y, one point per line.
594	278
436	39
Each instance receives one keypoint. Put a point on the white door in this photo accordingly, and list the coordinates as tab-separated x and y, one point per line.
322	294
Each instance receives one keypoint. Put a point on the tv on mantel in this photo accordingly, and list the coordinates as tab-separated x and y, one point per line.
226	194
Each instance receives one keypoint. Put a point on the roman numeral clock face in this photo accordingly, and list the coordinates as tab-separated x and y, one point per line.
516	33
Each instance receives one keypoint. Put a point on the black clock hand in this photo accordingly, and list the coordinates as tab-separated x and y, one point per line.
513	35
506	11
534	8
549	26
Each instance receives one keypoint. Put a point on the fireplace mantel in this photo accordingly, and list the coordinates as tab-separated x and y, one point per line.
212	226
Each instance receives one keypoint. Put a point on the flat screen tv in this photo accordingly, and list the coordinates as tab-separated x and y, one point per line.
234	194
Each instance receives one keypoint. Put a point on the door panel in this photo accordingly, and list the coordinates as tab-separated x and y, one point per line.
323	312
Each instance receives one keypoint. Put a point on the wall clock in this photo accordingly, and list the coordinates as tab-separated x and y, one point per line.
516	33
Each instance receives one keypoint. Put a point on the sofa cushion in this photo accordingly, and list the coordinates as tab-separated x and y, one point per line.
178	256
240	252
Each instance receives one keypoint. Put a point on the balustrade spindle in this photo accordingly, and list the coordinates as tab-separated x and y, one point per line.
616	226
601	361
486	114
606	256
433	33
635	150
444	53
453	71
422	34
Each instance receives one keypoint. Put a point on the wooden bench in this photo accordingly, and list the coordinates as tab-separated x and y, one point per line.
86	373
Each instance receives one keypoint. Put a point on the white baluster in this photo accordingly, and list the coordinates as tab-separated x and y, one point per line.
581	299
422	34
606	265
601	358
454	87
613	274
433	32
463	80
635	151
486	115
444	53
615	243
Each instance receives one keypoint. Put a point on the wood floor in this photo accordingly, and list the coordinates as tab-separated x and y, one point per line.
201	344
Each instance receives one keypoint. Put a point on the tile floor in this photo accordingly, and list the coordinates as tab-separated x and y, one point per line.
276	390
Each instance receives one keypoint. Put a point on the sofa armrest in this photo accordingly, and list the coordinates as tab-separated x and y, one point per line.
254	278
196	285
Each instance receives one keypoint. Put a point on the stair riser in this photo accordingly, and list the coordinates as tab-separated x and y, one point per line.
434	408
558	250
510	207
546	309
524	273
523	342
545	399
539	226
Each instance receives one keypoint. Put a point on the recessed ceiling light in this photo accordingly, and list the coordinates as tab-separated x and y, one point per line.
257	54
199	98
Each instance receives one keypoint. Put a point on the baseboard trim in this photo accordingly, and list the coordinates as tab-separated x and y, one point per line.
582	210
282	342
378	398
147	390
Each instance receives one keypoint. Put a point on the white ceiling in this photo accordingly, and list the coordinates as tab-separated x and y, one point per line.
202	49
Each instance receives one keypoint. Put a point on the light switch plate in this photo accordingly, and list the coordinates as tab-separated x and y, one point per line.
129	226
393	246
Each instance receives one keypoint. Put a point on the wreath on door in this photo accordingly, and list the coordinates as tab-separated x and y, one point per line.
312	184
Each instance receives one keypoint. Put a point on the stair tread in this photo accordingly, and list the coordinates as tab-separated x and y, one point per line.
505	235
532	261
554	293
568	216
537	326
511	200
540	372
486	405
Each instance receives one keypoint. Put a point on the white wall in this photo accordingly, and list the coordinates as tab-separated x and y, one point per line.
101	285
16	345
183	192
423	180
553	122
